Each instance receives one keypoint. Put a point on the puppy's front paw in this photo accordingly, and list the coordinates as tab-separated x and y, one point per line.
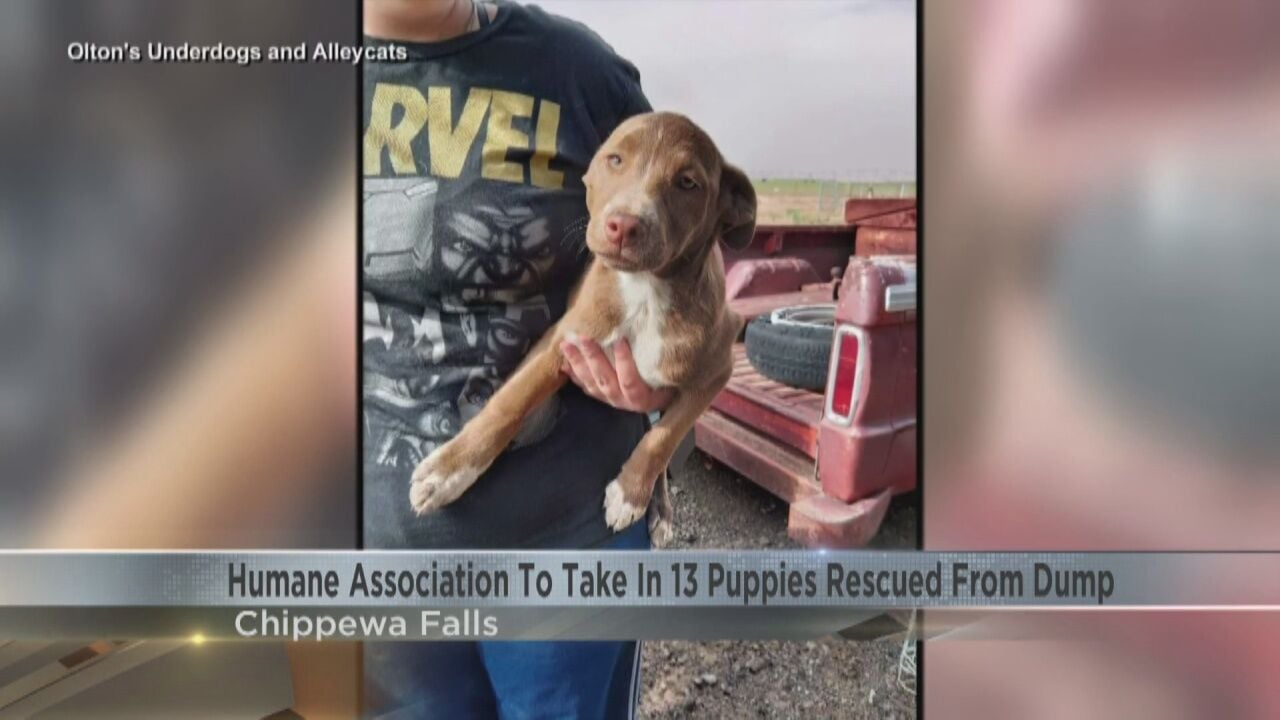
439	480
619	512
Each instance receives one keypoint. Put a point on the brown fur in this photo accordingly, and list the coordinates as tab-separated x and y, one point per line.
663	171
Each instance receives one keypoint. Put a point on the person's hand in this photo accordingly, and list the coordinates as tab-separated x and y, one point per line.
617	383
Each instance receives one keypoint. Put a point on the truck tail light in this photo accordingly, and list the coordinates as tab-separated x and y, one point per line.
844	382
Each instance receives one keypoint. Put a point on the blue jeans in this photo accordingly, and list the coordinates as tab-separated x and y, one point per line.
507	680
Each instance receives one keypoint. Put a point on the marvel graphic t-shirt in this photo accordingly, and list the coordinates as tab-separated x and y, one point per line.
474	222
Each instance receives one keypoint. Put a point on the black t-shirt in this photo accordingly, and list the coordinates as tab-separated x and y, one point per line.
474	221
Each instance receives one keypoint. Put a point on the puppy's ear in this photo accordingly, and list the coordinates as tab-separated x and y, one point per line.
737	208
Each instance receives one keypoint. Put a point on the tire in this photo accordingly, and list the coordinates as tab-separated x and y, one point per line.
792	345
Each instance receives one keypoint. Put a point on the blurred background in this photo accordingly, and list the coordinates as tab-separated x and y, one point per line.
177	298
177	280
1101	348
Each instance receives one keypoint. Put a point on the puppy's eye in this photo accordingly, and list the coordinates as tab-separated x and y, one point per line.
686	182
615	160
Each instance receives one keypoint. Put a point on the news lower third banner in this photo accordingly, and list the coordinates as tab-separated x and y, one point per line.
376	595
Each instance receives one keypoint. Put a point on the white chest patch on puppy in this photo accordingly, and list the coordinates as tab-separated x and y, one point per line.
646	300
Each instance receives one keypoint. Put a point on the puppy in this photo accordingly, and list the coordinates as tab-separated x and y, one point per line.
660	195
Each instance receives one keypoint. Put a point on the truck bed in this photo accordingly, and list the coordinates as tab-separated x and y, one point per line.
764	430
789	414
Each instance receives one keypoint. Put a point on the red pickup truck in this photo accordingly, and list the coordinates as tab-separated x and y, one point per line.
837	452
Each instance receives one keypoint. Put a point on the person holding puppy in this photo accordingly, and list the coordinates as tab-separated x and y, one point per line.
475	215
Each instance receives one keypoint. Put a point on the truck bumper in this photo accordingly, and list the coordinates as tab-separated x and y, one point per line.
823	521
816	519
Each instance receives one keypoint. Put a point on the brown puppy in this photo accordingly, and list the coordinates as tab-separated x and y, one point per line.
660	196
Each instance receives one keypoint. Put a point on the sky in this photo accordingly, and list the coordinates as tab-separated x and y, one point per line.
787	88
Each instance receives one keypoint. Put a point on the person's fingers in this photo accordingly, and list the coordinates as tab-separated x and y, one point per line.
602	370
567	369
634	389
576	368
638	394
569	354
617	383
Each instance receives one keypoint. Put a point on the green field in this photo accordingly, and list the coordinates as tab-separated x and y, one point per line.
817	202
850	188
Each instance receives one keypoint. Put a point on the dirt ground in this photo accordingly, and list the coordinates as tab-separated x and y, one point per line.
827	678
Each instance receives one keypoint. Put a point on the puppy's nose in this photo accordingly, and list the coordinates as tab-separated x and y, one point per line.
622	229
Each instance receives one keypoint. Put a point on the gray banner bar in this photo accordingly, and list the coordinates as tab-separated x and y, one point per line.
613	579
335	596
